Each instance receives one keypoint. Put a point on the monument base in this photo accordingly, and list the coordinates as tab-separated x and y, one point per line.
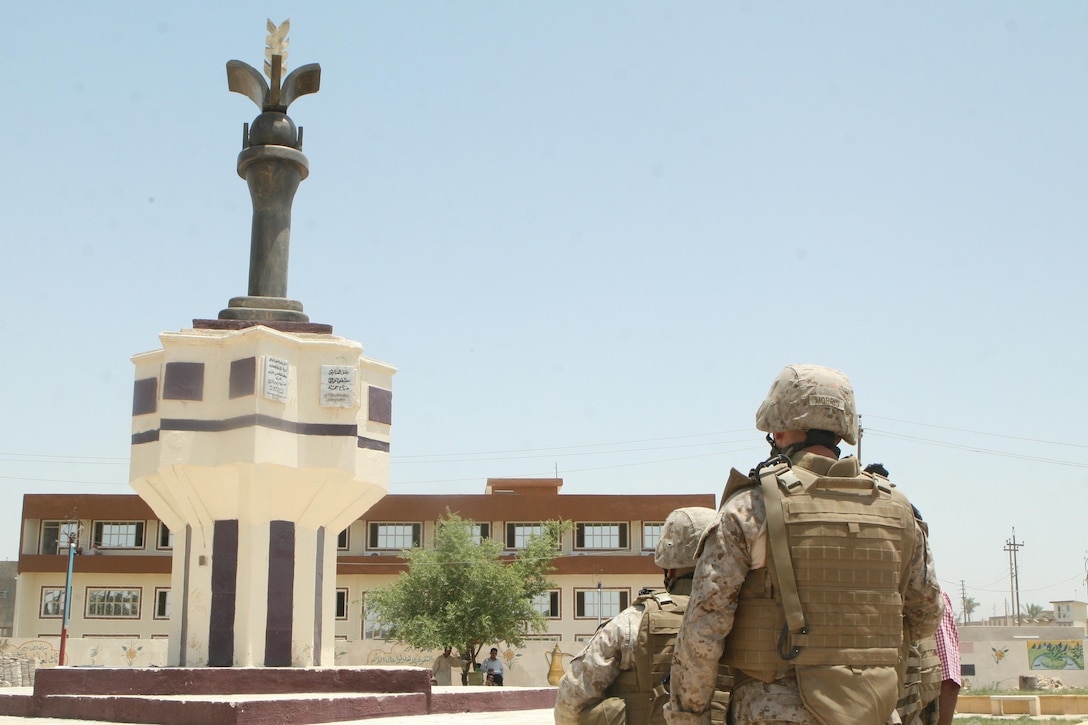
252	307
313	328
239	696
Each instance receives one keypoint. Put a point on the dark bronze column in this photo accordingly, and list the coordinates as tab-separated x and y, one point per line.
273	165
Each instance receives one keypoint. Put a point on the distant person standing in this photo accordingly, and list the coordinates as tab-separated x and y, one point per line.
493	668
442	669
948	649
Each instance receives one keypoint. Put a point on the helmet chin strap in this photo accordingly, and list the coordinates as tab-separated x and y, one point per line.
675	585
823	438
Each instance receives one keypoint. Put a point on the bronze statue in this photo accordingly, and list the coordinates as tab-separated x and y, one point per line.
273	165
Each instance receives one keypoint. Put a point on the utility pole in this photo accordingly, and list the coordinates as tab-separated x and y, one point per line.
600	603
861	433
1012	547
72	542
963	598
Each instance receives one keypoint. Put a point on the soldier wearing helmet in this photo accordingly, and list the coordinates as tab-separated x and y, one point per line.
613	680
806	580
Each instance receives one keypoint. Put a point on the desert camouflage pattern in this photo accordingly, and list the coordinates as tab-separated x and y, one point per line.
729	547
592	672
810	397
680	537
775	702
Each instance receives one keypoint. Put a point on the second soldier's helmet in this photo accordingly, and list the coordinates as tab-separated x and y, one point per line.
810	397
680	537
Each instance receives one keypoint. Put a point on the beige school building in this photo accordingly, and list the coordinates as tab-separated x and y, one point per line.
121	580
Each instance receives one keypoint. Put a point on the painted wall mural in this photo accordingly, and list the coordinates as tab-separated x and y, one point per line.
1056	655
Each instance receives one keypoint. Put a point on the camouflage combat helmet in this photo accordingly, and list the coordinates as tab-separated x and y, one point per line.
810	397
680	537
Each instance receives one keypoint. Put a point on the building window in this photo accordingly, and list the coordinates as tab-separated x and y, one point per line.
600	536
341	603
113	603
395	536
373	628
651	534
57	534
342	540
118	534
166	537
599	603
52	602
162	603
518	535
547	603
476	532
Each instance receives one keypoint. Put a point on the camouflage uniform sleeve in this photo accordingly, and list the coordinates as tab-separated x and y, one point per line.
724	562
923	603
610	652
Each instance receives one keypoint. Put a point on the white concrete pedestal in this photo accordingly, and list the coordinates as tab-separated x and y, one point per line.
257	447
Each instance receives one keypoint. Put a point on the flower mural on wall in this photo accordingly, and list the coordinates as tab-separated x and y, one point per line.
132	651
1056	655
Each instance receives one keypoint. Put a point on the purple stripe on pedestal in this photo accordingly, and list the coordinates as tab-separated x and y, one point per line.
224	594
281	586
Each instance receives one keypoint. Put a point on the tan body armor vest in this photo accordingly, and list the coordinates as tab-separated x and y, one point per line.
921	685
641	687
828	607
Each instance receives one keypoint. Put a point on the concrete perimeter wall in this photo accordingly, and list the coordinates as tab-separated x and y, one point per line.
526	666
999	655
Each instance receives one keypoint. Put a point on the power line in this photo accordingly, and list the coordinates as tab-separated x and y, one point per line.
64	480
579	450
978	432
583	445
451	458
977	449
575	470
81	460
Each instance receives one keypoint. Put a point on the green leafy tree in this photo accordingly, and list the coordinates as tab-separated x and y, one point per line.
463	592
1036	611
969	606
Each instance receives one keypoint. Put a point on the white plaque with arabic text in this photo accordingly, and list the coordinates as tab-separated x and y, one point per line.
337	386
277	373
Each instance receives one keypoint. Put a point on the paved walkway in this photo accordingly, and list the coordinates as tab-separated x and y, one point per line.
514	717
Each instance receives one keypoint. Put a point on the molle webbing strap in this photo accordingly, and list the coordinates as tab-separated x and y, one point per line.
780	550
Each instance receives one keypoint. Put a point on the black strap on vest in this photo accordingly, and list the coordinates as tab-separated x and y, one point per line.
770	472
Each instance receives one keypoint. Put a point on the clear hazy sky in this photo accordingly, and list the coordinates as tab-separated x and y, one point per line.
588	235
